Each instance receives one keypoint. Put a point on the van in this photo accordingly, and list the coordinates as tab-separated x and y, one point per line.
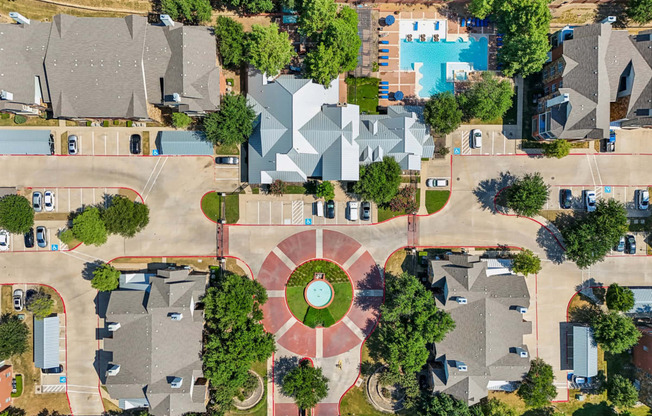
319	208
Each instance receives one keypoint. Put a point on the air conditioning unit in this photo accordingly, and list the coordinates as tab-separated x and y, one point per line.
176	383
176	316
461	300
521	309
113	326
113	370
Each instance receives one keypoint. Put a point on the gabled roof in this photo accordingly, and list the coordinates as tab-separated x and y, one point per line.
46	342
585	352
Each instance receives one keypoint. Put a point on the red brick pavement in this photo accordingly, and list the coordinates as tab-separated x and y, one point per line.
300	247
286	409
273	273
275	314
365	312
339	247
365	274
299	339
338	339
327	409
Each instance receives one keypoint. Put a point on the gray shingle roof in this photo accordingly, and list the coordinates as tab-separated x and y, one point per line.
24	142
151	349
46	342
488	327
303	132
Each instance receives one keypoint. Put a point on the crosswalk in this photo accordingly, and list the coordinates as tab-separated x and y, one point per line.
53	388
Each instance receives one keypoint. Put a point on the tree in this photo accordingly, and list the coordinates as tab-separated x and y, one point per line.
321	65
268	49
557	148
16	214
442	404
234	335
488	99
230	38
40	304
379	181
443	113
409	321
495	407
481	8
619	298
233	123
526	262
189	11
640	11
249	6
125	217
181	120
306	384
13	336
528	195
615	332
89	228
537	388
325	190
316	15
105	278
589	239
278	187
621	391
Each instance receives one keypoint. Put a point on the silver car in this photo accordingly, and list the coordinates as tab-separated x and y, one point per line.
41	237
37	201
72	144
18	300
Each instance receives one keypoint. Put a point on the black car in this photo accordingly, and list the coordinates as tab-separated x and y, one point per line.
53	370
565	198
51	143
630	244
366	211
134	144
29	238
330	209
226	160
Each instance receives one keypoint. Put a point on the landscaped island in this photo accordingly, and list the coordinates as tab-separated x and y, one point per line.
319	293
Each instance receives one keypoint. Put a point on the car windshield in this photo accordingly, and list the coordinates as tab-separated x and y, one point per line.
477	134
591	199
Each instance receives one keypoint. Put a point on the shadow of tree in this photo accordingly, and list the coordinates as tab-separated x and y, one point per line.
599	292
616	9
550	245
282	366
487	190
372	281
89	268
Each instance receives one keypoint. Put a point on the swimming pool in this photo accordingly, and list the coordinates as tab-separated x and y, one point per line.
435	55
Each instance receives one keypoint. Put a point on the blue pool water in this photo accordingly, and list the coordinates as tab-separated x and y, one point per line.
435	55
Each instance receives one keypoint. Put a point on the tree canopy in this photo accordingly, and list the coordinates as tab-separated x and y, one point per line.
640	11
125	217
526	262
233	123
488	99
379	181
89	228
481	8
557	148
249	6
589	239
619	298
188	11
181	120
443	113
268	49
13	336
40	304
621	391
615	332
321	64
495	407
537	388
528	195
105	278
444	405
230	38
316	15
409	321
325	190
235	337
16	214
306	384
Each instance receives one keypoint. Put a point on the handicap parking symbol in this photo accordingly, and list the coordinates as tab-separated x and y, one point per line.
308	221
457	151
62	379
54	247
607	189
155	152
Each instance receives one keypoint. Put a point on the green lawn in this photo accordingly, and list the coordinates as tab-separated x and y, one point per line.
435	200
354	403
260	409
232	208
224	149
363	92
19	386
210	205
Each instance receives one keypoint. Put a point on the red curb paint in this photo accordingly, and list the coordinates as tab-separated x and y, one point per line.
200	208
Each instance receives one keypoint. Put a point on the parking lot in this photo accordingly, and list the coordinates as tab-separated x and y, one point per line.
297	212
102	143
624	194
493	142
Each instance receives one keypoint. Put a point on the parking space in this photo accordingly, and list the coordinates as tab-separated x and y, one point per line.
102	142
494	142
297	212
624	194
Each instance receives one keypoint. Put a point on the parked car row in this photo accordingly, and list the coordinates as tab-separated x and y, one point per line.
354	210
41	201
73	144
642	198
627	244
41	238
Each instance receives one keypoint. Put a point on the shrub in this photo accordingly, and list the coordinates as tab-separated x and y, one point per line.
5	116
106	278
116	122
66	236
40	304
181	120
18	119
405	200
105	123
278	187
325	190
16	214
130	123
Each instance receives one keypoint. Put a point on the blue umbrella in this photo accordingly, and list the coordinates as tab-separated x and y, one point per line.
389	20
398	95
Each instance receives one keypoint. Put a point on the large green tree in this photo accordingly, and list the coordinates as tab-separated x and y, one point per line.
234	335
537	388
188	11
409	321
40	304
321	64
444	405
13	336
615	332
488	99
181	120
379	181
495	407
316	15
640	11
526	262
233	123
125	217
89	228
230	38
619	298
268	49
528	195
589	239
249	6
16	214
305	384
481	8
621	391
106	278
442	113
325	190
557	148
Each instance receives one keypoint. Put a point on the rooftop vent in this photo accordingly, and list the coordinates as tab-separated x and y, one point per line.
461	300
176	316
167	20
609	19
114	326
461	366
19	18
113	370
521	352
6	95
521	309
176	382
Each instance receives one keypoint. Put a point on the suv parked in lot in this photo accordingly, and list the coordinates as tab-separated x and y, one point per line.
41	237
4	240
565	198
37	201
630	244
18	300
366	211
72	144
643	199
226	160
134	144
621	245
589	201
53	370
330	209
353	210
29	238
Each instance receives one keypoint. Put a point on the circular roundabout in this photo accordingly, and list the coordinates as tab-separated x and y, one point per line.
319	293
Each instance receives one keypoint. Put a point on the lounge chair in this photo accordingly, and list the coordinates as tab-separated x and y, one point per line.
383	87
416	26
384	83
384	50
437	25
383	96
384	42
383	57
463	23
383	64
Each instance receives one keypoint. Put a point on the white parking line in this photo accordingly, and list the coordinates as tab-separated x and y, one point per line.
81	196
117	143
93	141
492	142
69	200
155	179
588	159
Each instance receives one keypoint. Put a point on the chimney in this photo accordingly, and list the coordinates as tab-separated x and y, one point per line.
560	99
19	18
113	370
6	95
521	352
461	366
609	19
461	300
113	326
176	97
167	20
176	316
176	382
521	309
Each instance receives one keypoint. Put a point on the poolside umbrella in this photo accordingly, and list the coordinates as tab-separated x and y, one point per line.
398	95
389	20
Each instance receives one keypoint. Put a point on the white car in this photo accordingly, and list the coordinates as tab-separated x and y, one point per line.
643	200
4	240
436	183
353	210
49	201
589	201
72	144
475	139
